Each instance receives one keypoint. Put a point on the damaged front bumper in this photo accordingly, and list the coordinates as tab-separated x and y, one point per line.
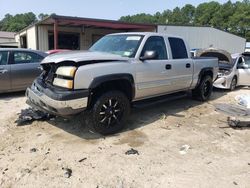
57	102
223	82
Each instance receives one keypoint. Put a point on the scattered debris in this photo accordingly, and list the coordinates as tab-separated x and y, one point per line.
233	122
68	172
166	128
33	150
236	123
132	152
81	160
184	149
28	115
243	100
227	134
232	110
26	170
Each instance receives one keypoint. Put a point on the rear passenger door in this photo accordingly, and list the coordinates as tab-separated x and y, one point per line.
25	68
181	64
4	72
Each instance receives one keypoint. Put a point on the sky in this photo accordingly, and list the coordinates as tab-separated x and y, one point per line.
102	9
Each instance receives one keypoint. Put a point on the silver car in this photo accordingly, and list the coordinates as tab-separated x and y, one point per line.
18	68
234	70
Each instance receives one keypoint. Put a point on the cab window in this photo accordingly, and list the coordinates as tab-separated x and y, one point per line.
178	48
157	44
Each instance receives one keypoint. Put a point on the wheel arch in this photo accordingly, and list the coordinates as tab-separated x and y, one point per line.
204	72
122	82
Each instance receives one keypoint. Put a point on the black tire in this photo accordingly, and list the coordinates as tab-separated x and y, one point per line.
204	90
109	112
233	83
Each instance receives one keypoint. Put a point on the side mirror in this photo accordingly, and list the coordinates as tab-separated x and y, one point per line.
149	55
243	66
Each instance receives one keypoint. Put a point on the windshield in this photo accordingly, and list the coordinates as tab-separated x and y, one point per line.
124	45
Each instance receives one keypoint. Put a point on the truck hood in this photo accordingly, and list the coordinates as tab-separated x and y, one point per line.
82	56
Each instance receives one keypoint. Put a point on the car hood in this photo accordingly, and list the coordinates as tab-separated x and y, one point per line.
223	56
82	56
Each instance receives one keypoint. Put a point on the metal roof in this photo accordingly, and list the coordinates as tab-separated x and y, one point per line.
5	34
78	21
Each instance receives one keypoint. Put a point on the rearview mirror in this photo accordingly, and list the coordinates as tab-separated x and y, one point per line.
243	66
149	55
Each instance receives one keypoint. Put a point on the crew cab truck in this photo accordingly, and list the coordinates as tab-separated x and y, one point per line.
117	71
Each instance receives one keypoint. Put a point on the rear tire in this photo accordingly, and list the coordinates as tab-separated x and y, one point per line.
233	83
109	112
204	90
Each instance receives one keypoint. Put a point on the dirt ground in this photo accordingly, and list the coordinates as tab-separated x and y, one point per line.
43	153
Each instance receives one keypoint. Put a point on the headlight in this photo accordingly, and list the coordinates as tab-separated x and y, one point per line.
63	83
68	71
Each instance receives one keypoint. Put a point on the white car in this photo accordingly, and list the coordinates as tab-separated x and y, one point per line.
234	70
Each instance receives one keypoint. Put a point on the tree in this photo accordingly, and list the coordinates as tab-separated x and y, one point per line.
42	16
205	12
17	22
232	17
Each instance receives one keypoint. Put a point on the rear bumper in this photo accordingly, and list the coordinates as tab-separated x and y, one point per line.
62	103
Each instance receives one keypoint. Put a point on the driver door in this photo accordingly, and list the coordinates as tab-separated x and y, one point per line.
244	72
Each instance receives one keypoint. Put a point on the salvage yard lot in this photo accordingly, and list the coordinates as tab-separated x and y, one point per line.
43	153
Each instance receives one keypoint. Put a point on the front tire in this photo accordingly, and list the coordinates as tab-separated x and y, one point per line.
109	112
204	90
233	83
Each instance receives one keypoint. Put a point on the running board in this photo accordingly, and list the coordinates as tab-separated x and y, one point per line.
159	100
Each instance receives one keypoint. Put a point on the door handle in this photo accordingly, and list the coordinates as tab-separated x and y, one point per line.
188	65
2	71
168	66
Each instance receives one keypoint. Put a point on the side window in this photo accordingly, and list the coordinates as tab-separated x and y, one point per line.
3	58
157	44
247	60
26	57
240	61
178	48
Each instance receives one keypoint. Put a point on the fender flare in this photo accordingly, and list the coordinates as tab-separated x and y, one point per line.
113	77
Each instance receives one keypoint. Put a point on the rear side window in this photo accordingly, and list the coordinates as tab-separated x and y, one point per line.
26	57
3	58
178	48
157	44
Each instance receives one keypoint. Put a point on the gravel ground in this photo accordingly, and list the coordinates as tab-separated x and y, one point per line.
182	143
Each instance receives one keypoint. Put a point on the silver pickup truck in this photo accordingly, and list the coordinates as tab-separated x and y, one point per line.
118	71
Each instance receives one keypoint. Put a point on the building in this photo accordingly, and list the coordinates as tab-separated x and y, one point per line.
247	49
64	32
205	37
7	40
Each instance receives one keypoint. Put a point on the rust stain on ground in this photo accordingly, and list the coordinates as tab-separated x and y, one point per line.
133	139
